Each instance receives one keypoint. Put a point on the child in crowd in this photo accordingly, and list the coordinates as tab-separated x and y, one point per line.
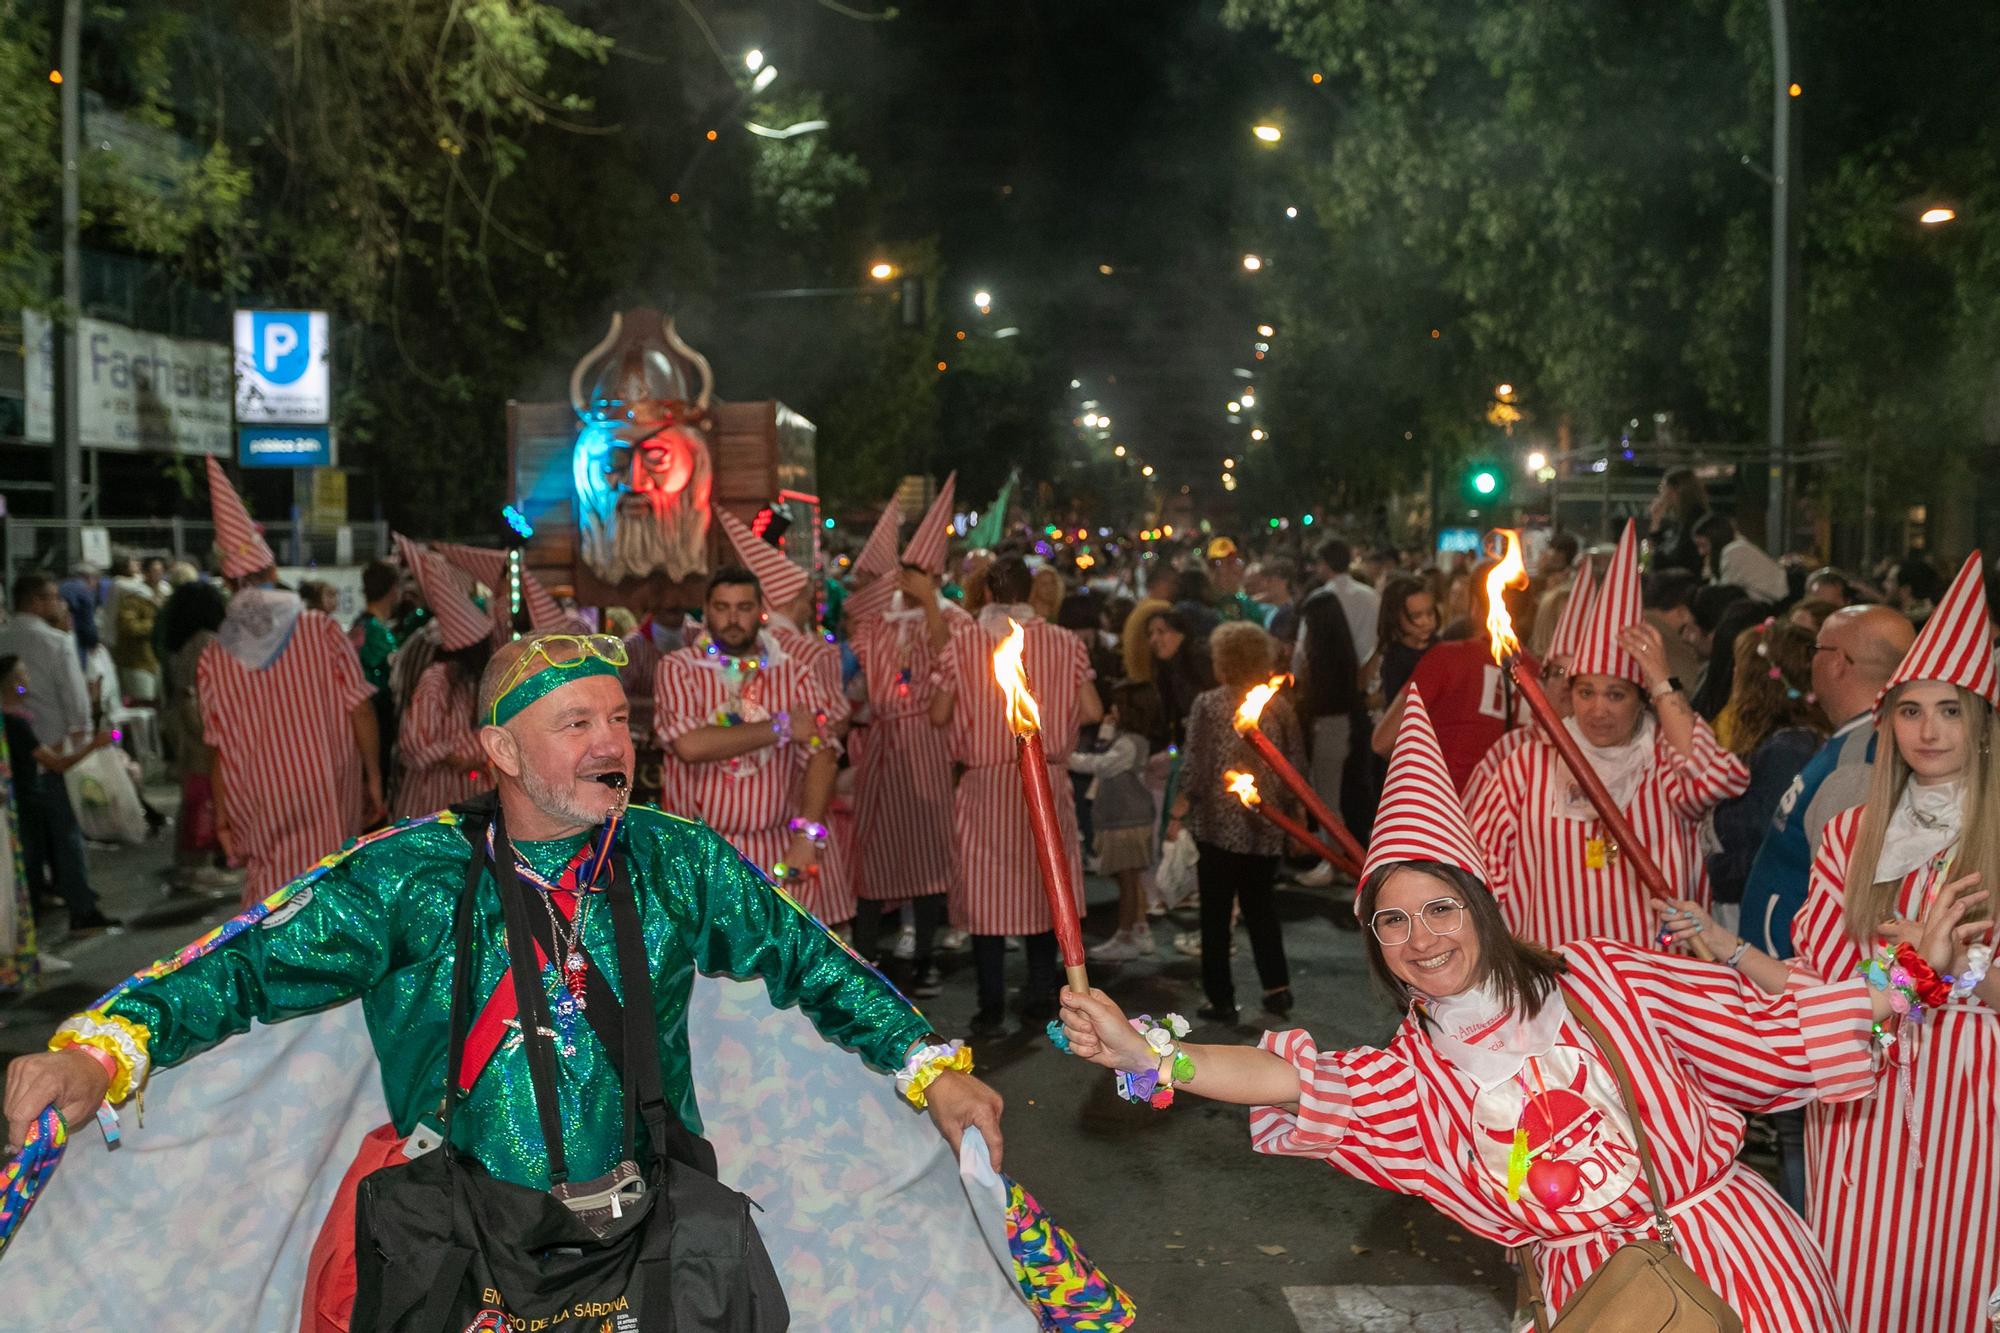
1122	809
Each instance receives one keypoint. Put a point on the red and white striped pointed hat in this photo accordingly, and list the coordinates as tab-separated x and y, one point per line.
237	537
461	621
1575	613
1617	606
1420	818
780	577
878	553
1956	643
927	545
488	564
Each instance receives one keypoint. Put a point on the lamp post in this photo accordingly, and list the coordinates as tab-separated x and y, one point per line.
1784	275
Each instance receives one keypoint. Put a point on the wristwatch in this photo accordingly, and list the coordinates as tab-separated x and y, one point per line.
1671	685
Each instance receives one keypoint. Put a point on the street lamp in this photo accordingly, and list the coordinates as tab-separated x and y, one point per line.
1117	451
1268	133
1292	211
1232	407
882	270
1249	399
1503	391
1266	331
1251	263
753	60
1537	460
1146	471
763	79
1257	434
1931	217
984	300
1228	463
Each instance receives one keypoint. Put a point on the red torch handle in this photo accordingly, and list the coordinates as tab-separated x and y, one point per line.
1053	854
1298	833
1615	824
1302	789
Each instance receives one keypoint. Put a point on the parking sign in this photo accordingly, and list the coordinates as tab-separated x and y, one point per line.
282	372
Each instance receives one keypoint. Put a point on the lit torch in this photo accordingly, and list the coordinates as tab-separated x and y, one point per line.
1024	719
1247	713
1244	788
1511	573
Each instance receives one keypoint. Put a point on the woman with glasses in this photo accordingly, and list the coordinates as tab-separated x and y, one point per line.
1495	1101
1902	1187
1558	876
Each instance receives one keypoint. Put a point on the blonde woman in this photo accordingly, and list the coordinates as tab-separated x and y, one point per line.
1904	1187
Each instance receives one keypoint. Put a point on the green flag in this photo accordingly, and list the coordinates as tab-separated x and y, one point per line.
992	524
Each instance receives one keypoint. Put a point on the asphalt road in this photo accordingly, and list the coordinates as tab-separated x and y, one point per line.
1203	1233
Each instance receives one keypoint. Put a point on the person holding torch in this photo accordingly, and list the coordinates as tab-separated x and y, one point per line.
1565	1103
1559	873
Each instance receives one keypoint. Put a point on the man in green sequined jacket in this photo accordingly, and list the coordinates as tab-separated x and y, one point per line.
375	922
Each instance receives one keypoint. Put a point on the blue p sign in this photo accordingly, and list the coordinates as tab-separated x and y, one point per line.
281	344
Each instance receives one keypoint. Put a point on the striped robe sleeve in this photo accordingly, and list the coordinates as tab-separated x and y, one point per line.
1358	1109
1701	780
1747	1049
1496	827
432	731
677	709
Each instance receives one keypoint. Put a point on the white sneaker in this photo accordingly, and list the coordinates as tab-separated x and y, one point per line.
1120	948
1319	877
1188	943
1141	936
906	943
954	941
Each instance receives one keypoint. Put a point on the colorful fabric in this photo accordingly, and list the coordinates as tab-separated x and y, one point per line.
22	1181
1420	818
1067	1292
1616	607
1956	643
237	537
781	578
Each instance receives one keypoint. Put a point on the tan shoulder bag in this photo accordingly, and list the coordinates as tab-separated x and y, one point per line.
1645	1286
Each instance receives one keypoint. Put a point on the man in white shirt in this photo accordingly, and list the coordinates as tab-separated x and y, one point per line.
59	707
1741	562
1360	602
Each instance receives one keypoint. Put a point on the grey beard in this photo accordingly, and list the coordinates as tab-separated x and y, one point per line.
551	801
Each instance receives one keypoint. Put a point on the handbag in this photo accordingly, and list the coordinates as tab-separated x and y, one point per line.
442	1246
1645	1286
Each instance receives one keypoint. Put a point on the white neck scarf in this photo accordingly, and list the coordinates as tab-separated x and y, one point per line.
1621	768
1926	821
259	624
1488	1041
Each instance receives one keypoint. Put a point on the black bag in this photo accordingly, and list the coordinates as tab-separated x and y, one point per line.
443	1247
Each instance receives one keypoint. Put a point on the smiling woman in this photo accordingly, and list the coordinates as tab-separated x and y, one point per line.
1524	1088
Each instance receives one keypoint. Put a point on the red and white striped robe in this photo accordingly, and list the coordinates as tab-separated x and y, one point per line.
902	782
1539	859
291	773
1909	1216
643	651
434	743
836	860
999	880
1703	1045
748	800
1481	778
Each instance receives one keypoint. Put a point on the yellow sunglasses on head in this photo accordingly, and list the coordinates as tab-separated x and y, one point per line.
552	661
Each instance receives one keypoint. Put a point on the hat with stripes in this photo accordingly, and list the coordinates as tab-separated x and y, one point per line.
1617	607
1956	643
777	573
1420	818
488	564
237	537
461	621
878	558
926	548
1575	614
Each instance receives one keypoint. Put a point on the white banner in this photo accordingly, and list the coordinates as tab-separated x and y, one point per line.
139	391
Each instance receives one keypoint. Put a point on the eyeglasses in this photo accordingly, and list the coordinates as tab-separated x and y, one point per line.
1441	916
563	651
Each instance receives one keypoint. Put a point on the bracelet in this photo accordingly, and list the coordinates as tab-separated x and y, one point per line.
815	833
1735	958
1912	983
118	1039
1155	1086
781	727
1978	961
925	1064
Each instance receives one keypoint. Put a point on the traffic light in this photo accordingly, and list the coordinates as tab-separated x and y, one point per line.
1485	483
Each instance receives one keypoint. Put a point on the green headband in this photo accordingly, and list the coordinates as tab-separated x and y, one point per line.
545	682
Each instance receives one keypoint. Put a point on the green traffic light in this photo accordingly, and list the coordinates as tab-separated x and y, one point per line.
1485	483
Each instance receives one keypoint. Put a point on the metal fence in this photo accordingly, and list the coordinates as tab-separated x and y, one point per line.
28	543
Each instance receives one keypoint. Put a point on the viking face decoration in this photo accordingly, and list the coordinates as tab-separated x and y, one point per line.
641	464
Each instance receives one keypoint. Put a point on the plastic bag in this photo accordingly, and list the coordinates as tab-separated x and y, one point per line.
105	798
1174	879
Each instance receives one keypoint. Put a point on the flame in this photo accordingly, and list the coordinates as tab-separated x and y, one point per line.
1243	787
1023	717
1509	573
1253	703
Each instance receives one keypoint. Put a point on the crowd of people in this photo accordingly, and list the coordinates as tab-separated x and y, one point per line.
1802	756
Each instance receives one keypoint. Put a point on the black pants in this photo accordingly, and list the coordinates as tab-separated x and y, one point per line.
52	844
1227	878
868	916
989	957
